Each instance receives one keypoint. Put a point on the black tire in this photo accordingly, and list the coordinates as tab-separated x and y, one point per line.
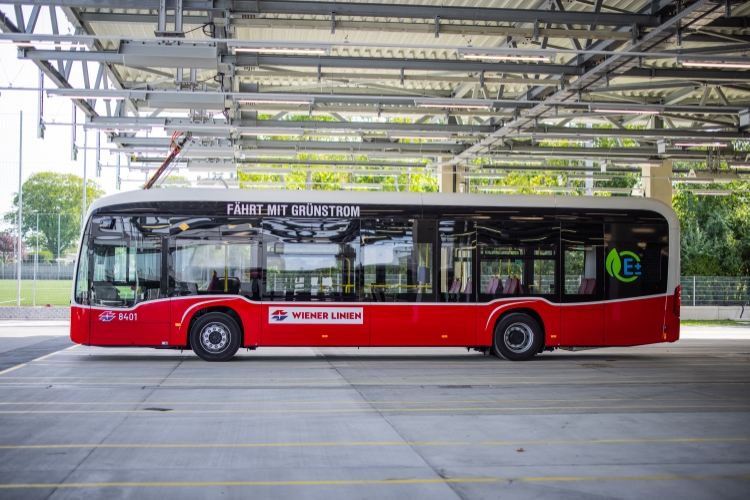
517	337
215	337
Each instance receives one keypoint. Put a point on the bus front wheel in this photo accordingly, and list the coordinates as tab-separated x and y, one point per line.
215	337
518	337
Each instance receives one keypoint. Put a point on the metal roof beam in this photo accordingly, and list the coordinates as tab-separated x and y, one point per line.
363	26
593	133
393	10
697	14
53	74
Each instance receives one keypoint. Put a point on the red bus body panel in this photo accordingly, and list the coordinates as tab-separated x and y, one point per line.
184	308
146	324
166	322
436	324
634	321
80	321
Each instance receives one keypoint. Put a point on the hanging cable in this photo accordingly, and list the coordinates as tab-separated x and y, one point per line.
176	144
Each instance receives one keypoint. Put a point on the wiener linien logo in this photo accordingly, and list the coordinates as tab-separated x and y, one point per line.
625	266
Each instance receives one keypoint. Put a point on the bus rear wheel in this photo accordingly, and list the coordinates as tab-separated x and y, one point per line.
215	337
518	337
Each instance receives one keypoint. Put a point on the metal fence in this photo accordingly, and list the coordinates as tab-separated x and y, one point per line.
715	290
41	284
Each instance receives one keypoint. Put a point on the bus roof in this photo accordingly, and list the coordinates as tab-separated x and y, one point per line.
370	198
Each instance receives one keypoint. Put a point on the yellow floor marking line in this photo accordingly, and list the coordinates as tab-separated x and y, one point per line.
51	354
373	443
13	368
388	410
349	482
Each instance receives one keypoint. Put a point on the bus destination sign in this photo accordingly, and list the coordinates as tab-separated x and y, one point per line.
292	210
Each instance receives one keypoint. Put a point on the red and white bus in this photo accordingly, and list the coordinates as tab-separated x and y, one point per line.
215	270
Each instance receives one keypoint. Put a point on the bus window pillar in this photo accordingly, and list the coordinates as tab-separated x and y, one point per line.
656	182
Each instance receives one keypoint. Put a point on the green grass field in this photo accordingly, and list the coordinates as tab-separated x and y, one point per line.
722	322
52	292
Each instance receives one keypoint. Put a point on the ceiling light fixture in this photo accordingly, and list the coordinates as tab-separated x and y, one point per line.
700	144
501	57
629	111
86	97
419	135
271	101
268	50
706	64
48	45
452	105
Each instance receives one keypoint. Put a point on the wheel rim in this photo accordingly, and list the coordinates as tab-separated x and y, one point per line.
215	337
518	337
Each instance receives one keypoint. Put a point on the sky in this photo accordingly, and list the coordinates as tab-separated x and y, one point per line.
54	151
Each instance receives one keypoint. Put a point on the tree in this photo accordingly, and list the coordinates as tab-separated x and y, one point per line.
9	247
714	232
49	194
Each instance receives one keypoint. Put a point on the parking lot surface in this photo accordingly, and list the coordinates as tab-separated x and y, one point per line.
667	421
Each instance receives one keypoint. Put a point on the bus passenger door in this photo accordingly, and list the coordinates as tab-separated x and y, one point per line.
126	282
582	307
311	284
403	283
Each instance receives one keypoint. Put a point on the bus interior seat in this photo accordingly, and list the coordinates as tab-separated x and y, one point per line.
217	284
591	286
511	287
467	288
488	288
508	284
497	283
582	286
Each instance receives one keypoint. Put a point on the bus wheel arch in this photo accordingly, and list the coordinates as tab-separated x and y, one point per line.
227	321
518	334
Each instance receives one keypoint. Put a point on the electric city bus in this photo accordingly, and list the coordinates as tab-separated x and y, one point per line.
215	270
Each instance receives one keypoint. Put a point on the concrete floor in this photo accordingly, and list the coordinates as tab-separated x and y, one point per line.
664	421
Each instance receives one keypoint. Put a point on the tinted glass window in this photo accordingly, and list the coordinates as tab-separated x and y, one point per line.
311	259
636	259
82	277
517	259
457	249
583	262
398	260
127	259
209	256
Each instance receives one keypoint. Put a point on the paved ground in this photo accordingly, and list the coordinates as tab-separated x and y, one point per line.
667	421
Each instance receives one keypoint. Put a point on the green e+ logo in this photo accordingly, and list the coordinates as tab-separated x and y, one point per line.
626	262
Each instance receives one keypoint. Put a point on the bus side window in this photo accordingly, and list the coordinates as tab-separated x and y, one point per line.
311	260
457	245
127	257
517	259
214	256
583	262
82	277
399	260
